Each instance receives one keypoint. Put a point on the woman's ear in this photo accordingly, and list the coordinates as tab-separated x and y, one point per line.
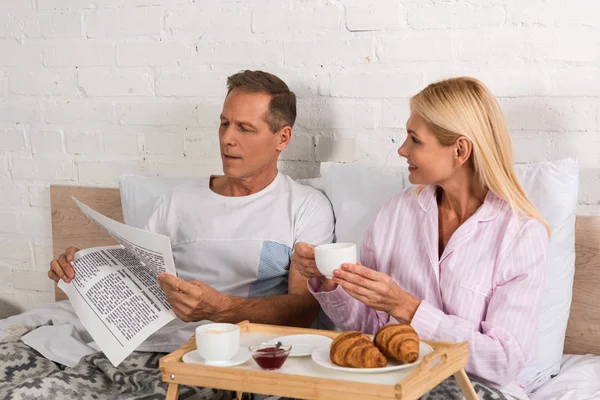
284	135
463	150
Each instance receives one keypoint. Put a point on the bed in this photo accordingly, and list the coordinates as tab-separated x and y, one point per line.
579	377
580	371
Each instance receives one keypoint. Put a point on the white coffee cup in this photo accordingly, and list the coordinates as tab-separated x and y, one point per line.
217	343
331	256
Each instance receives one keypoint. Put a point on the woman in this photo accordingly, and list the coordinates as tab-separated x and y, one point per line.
460	256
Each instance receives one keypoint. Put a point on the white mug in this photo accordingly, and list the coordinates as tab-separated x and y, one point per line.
331	256
217	343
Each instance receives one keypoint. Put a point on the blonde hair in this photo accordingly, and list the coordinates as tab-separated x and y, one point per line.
465	107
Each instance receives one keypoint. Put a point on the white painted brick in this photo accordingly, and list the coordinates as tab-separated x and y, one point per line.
39	196
339	150
455	16
164	143
22	168
153	54
8	221
245	53
368	115
13	194
4	168
16	6
328	52
574	81
42	82
577	13
116	81
106	173
396	113
299	169
16	251
303	85
379	152
20	54
164	169
164	113
124	22
84	142
35	223
296	21
85	112
20	111
371	85
204	146
12	140
328	115
197	22
120	143
495	45
80	53
549	114
300	148
191	84
530	13
46	5
375	16
532	146
526	80
60	25
589	186
44	169
3	84
19	25
585	146
208	114
31	280
46	142
588	209
575	46
42	249
414	46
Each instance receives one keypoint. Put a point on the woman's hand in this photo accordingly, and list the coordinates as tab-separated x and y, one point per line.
377	290
303	260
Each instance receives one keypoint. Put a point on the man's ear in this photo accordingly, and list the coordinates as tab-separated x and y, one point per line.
463	150
284	136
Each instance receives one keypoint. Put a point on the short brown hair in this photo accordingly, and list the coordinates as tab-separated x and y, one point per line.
282	108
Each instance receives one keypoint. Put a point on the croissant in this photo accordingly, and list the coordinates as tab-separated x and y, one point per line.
399	342
355	349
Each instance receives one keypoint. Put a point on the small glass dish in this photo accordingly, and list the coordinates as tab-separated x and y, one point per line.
267	358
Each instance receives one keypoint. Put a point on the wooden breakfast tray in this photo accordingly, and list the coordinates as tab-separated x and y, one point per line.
300	377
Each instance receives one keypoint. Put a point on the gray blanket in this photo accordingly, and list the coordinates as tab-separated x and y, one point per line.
26	375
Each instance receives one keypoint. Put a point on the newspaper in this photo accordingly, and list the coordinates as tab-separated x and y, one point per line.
115	293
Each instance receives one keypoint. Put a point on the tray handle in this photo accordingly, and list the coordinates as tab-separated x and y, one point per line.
426	375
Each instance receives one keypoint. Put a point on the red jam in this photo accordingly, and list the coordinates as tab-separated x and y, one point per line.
267	358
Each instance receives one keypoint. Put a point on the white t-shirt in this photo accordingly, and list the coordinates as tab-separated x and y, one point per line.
242	245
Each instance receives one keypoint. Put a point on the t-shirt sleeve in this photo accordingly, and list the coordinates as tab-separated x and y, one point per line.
315	222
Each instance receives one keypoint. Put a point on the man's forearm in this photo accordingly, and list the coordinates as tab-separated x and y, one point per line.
288	309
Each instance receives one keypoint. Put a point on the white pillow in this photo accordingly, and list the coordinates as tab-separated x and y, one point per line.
358	191
140	193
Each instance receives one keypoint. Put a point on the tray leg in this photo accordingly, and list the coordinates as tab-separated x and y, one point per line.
172	391
239	395
465	385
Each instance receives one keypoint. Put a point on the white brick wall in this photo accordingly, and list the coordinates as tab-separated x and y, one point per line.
90	89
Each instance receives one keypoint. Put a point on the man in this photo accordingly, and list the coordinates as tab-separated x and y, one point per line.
233	235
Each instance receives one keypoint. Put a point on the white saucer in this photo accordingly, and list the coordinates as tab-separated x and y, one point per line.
304	344
243	355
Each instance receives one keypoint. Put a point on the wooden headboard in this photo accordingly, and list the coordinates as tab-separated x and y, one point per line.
70	227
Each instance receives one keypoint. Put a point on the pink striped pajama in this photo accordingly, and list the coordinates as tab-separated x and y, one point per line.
485	288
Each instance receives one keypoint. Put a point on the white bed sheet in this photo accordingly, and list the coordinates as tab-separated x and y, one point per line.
578	379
